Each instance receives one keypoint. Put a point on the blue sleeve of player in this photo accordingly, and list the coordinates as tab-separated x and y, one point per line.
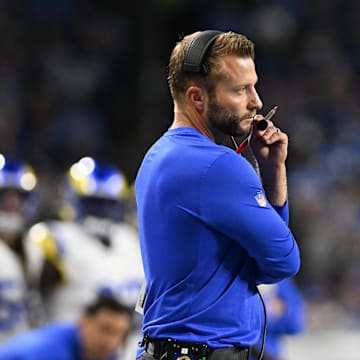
234	203
293	319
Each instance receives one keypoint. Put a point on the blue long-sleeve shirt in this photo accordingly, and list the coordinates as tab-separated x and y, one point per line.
208	237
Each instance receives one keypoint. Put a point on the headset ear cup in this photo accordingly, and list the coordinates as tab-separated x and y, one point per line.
196	52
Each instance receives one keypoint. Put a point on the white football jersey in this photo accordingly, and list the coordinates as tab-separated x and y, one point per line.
86	264
13	295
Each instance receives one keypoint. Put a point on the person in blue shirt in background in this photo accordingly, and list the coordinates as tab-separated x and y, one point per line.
286	315
102	328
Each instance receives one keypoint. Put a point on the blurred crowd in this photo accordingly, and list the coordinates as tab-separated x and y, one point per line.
87	78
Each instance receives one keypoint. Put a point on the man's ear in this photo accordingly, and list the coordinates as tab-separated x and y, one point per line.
197	97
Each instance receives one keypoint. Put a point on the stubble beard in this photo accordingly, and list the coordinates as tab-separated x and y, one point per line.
223	122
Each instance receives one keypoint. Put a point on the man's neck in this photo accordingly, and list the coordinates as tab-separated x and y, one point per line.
193	120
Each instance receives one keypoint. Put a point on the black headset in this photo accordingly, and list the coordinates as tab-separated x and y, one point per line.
195	55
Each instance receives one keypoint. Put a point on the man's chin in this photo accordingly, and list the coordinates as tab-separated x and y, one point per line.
221	134
239	133
245	126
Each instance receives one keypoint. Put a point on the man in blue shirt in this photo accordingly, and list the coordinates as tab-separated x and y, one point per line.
96	336
211	228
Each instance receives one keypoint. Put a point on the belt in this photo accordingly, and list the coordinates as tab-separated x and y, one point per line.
173	349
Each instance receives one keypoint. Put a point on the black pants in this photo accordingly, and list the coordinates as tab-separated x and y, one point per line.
218	354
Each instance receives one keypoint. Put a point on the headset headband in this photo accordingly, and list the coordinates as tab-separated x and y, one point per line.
195	54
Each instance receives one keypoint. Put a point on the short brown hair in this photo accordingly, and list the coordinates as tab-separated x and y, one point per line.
228	43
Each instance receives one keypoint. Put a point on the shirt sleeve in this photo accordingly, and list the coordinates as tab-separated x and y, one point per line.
234	203
283	211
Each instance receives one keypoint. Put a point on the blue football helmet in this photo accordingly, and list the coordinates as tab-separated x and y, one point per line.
94	188
17	195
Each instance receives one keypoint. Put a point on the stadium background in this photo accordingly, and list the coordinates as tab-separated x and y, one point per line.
89	78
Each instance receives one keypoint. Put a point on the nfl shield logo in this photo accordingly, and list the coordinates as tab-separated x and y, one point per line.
260	199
